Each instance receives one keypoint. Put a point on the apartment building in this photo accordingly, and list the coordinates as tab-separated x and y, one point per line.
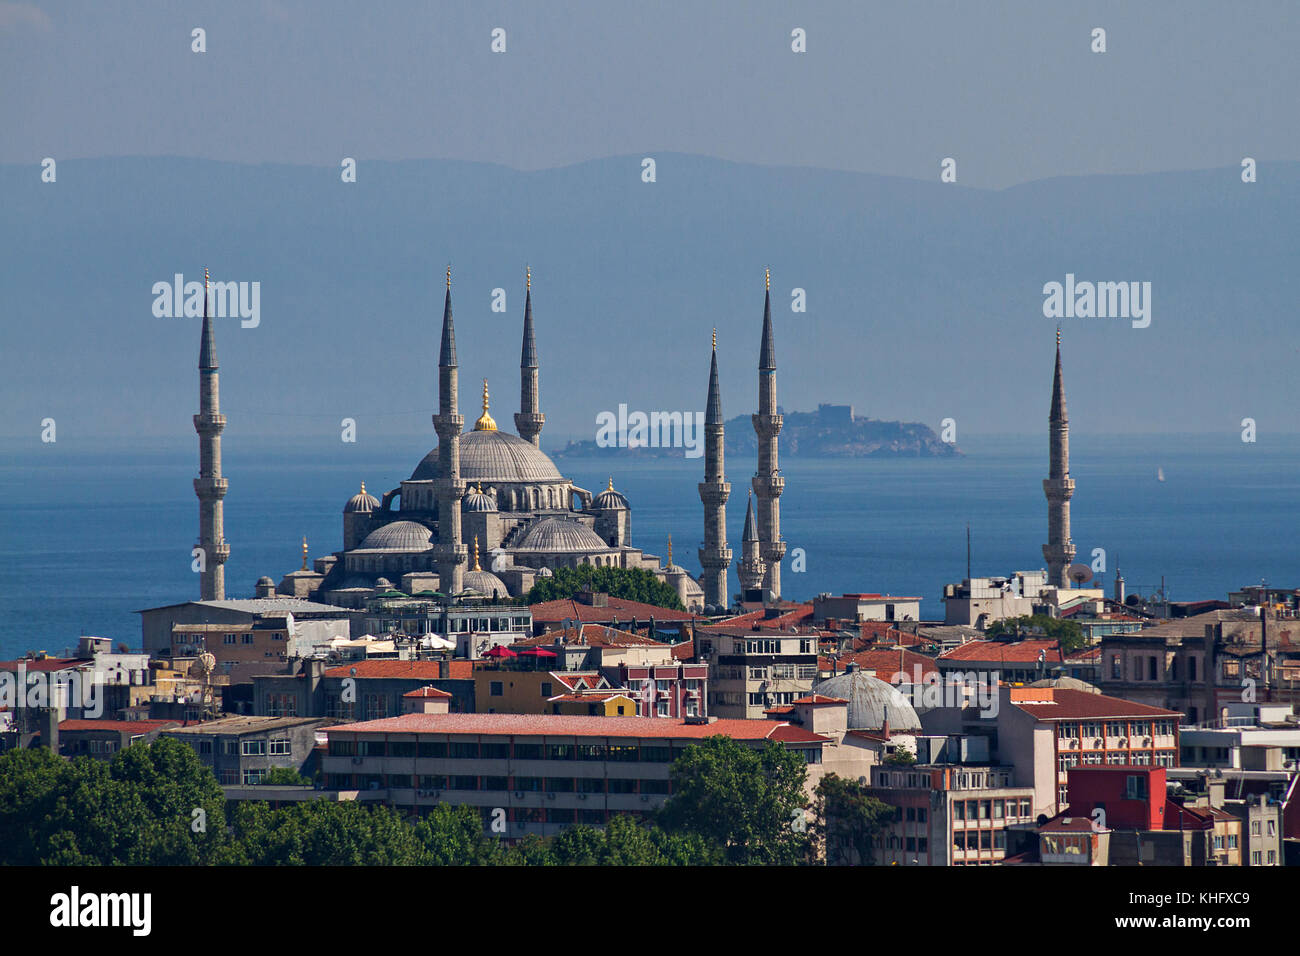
754	670
532	773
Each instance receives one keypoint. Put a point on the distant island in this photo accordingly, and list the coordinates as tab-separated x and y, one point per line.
832	431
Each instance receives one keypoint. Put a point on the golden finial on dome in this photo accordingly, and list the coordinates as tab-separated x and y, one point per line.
485	422
476	567
610	486
304	552
363	487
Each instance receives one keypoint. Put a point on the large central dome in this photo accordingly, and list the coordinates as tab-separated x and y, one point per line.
494	457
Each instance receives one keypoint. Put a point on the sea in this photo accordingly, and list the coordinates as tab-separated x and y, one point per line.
91	534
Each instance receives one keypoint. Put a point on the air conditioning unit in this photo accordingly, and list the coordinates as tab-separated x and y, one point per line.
1146	742
1096	744
356	760
550	796
519	794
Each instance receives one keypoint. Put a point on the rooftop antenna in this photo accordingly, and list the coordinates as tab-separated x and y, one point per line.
968	552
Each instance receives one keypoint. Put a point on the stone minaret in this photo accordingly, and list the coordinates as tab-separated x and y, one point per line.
529	419
768	483
210	486
1058	486
451	553
715	556
750	568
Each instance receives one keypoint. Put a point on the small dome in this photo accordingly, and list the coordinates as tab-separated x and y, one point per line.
399	536
265	581
383	583
545	573
361	502
557	535
610	499
476	500
486	583
871	702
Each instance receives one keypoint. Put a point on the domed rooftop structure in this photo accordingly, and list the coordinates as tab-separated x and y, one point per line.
609	498
871	702
361	502
1067	683
484	582
399	536
494	457
545	573
476	500
556	535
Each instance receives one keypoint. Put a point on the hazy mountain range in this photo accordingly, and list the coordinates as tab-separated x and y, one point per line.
924	300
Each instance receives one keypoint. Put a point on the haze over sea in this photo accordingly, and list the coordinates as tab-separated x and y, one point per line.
89	534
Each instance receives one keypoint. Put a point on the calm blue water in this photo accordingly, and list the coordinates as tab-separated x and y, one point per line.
88	536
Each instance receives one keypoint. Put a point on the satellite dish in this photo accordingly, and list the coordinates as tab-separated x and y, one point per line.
1079	573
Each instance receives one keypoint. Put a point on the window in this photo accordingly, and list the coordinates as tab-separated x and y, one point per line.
228	639
654	786
621	785
591	785
546	689
247	639
494	751
1135	787
463	783
463	750
253	777
528	752
436	749
280	747
528	783
496	688
559	785
254	748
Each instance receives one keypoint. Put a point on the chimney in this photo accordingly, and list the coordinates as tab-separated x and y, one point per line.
850	667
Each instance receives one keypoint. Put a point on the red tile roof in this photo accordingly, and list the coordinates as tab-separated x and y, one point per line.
818	700
885	663
553	612
685	651
427	692
417	670
1006	652
121	726
791	616
591	695
559	725
43	665
1058	703
595	635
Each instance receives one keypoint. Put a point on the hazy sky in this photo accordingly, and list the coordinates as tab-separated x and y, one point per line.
1011	90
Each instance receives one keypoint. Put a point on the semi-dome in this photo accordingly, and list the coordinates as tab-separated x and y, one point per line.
477	501
361	502
610	499
555	535
494	458
872	702
399	536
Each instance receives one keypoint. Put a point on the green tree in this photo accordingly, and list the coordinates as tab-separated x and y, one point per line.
1068	634
632	584
901	757
846	821
749	802
453	836
284	777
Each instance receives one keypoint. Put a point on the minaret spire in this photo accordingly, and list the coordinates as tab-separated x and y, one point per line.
210	487
715	556
1058	486
451	552
768	483
750	566
529	419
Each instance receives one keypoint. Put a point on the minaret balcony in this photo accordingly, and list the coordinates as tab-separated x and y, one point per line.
715	557
1058	489
211	487
767	426
452	424
714	493
209	424
769	487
